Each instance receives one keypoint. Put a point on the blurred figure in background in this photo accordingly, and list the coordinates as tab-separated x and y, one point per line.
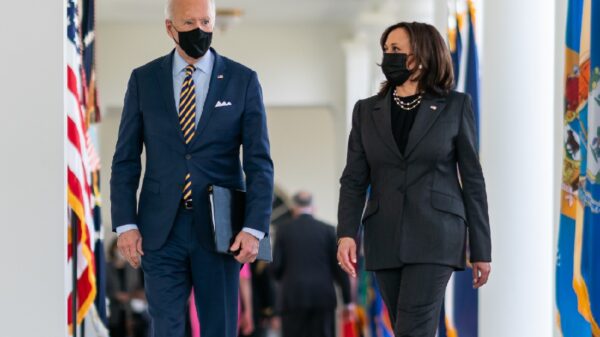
127	301
263	298
305	263
246	317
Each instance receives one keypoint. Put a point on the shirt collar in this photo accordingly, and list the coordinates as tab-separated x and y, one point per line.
204	64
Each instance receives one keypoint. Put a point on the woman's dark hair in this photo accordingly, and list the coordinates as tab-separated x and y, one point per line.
429	50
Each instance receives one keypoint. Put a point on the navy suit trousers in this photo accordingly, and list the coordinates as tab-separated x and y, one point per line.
182	262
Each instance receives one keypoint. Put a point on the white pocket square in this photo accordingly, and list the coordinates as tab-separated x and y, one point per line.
221	104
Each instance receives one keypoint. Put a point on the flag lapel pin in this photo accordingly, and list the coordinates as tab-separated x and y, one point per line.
433	107
220	77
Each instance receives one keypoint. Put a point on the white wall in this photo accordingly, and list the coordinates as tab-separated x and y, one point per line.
298	65
32	202
518	139
303	148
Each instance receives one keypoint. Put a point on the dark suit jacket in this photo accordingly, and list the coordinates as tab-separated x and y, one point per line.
150	120
305	262
417	211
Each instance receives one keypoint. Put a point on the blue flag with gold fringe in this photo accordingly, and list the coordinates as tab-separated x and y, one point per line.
590	250
578	260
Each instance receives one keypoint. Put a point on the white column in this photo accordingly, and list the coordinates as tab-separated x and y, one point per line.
32	174
440	16
358	73
559	87
518	137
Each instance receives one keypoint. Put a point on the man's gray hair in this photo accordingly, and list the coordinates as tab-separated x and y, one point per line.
169	9
302	199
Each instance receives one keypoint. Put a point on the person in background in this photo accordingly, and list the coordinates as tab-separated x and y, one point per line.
408	144
125	291
246	318
194	322
263	298
304	261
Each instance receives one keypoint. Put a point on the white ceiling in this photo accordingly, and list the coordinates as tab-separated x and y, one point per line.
337	11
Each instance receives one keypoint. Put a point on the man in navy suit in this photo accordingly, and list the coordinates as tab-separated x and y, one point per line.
191	110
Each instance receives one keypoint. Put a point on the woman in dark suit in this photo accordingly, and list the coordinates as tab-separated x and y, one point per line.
408	144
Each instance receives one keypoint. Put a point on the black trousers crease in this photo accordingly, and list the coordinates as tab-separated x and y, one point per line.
414	295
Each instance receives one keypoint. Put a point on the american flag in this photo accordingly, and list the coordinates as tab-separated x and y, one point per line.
79	194
92	113
88	52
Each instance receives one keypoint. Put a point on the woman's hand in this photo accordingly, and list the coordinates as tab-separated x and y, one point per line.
481	273
247	323
346	255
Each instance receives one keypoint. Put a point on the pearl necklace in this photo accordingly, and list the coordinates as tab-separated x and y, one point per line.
407	106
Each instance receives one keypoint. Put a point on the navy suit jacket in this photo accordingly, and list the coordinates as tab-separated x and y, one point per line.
150	121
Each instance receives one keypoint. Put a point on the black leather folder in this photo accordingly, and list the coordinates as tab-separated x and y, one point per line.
227	208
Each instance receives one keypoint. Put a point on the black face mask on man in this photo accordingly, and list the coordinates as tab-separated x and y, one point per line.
395	68
195	42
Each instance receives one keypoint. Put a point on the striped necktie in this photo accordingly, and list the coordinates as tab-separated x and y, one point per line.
187	119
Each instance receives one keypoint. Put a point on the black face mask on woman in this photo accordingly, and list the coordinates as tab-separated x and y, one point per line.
195	42
394	68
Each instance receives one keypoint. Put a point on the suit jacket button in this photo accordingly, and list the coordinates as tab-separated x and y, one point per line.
188	156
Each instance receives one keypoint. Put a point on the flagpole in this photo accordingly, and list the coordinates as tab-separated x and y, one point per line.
74	274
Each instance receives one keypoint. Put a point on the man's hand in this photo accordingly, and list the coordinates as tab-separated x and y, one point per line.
346	255
245	247
122	297
481	273
130	246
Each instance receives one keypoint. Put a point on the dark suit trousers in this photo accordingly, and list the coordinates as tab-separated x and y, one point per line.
308	323
181	263
414	295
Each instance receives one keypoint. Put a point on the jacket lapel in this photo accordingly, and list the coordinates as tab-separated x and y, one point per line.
383	121
429	111
165	82
218	82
